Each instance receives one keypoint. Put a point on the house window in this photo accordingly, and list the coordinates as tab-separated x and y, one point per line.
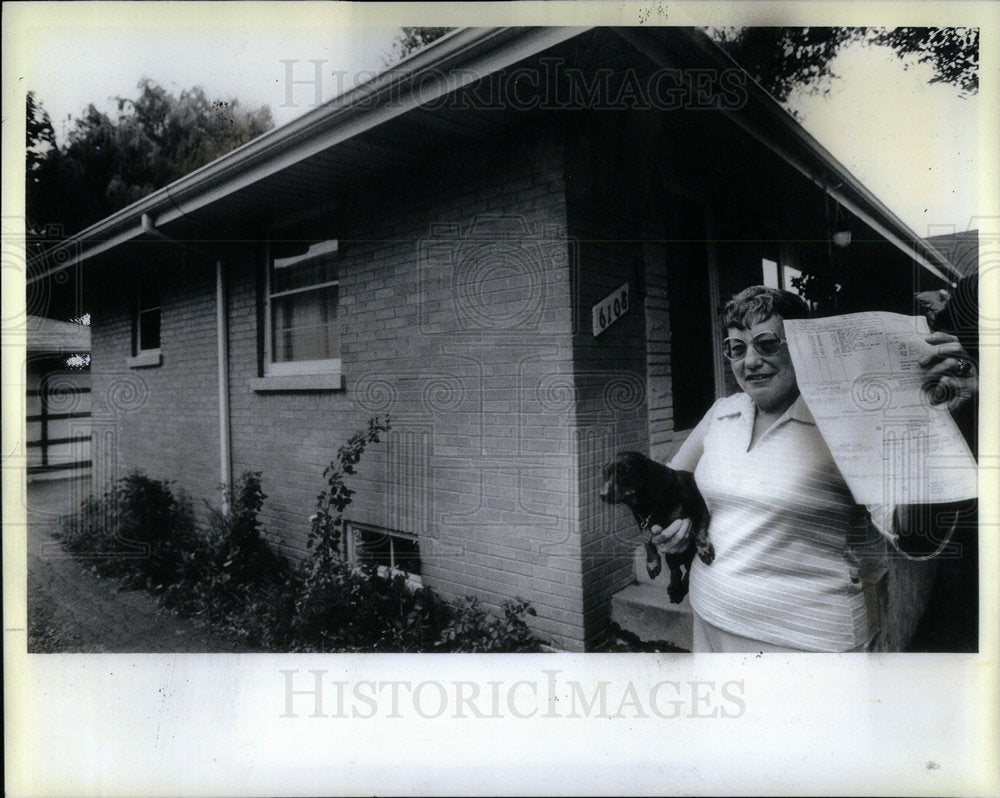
390	552
784	276
791	256
303	335
789	274
769	273
147	316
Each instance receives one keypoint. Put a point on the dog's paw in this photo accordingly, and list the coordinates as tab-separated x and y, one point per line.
677	594
653	568
707	553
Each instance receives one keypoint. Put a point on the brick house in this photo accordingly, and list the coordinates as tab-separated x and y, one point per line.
432	246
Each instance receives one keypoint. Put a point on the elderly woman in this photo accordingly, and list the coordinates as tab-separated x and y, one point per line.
784	525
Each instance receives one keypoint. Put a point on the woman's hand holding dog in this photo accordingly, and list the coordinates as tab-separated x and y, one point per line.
674	539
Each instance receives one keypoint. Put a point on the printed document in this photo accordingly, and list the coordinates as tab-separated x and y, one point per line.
860	377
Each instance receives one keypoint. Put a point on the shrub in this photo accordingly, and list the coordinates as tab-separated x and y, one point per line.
137	530
472	629
234	578
360	610
343	609
239	551
326	609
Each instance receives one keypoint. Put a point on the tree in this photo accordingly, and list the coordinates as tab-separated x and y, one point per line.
40	136
108	163
412	39
952	52
783	59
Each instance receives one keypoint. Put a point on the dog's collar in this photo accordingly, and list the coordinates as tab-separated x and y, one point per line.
645	522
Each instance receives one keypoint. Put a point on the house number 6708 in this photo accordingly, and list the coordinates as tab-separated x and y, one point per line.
610	309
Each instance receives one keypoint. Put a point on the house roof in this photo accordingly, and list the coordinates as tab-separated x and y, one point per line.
49	335
404	102
961	249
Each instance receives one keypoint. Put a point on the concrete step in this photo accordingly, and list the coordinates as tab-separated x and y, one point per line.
645	610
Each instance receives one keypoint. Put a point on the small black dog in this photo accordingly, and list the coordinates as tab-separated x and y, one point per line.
660	495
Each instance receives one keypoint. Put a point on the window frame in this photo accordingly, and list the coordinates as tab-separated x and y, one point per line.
351	550
296	368
152	355
147	274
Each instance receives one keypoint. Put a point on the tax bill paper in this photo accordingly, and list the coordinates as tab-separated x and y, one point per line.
860	377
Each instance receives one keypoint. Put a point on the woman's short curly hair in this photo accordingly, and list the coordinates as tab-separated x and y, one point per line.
758	303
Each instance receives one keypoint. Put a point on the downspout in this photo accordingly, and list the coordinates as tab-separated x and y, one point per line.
222	348
225	455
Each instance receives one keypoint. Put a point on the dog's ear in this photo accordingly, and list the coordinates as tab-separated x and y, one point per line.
634	467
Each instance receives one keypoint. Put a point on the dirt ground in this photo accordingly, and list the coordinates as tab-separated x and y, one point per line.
70	609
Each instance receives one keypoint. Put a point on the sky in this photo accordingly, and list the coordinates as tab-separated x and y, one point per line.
72	70
911	142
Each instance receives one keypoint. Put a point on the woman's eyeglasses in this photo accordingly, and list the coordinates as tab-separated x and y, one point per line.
765	343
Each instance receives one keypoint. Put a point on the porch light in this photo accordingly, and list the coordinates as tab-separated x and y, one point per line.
841	235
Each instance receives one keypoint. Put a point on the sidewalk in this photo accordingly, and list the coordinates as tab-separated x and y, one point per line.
70	609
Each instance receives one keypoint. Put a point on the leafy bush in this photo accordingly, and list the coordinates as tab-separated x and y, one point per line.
239	553
328	607
234	578
137	530
343	609
360	610
473	629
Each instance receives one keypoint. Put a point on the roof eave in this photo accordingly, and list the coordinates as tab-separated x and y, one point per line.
777	124
458	59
